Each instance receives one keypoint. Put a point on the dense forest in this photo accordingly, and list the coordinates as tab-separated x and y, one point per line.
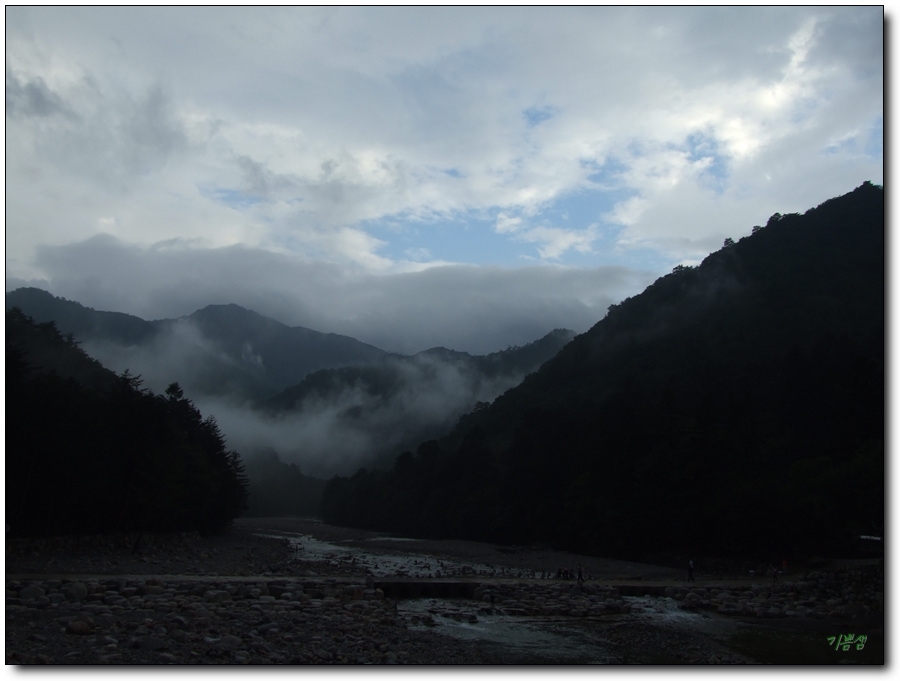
373	402
90	452
733	408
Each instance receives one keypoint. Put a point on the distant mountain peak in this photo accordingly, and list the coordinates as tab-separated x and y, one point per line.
230	312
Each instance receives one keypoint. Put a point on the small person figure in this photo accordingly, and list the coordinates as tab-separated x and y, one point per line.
690	570
580	574
774	574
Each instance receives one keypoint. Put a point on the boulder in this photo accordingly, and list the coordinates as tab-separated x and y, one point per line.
216	596
31	592
230	642
79	627
76	591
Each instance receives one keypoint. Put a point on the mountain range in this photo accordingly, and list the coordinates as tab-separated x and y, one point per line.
327	402
732	409
223	349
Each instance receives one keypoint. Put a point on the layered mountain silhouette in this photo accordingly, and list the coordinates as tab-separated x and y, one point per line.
366	414
324	401
91	452
222	349
732	409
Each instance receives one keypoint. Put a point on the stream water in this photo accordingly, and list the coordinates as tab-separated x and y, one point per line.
380	564
519	640
531	640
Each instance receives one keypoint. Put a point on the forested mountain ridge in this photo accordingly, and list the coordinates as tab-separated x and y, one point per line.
323	402
40	348
736	407
366	414
83	323
384	380
221	349
90	452
229	351
283	354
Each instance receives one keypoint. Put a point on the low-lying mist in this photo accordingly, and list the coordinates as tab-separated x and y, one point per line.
355	426
179	353
353	423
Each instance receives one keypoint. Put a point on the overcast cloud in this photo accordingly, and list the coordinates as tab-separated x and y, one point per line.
419	176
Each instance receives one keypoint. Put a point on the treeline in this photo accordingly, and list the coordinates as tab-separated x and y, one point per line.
101	454
734	408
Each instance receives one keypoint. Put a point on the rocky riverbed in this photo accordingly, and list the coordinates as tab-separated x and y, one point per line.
263	594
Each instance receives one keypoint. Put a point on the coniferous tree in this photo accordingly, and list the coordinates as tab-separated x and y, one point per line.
112	457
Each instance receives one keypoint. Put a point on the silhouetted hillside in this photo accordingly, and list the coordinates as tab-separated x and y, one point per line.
90	452
369	413
219	350
385	380
83	323
734	408
282	355
40	348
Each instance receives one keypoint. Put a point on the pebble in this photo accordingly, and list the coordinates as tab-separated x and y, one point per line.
344	623
305	619
178	622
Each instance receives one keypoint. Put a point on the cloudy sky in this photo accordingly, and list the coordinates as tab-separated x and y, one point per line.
418	176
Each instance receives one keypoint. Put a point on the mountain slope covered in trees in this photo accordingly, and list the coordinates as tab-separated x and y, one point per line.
366	414
90	452
736	407
218	350
320	402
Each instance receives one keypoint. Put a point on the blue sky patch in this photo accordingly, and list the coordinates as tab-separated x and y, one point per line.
535	115
233	198
701	146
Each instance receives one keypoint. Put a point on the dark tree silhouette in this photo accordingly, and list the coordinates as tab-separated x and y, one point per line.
734	408
90	452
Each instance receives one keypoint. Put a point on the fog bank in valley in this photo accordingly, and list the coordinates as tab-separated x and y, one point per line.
339	433
326	432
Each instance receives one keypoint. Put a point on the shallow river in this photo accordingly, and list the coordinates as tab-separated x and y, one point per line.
529	640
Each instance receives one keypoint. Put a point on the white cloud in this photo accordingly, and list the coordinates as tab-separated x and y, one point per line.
418	254
507	223
557	241
295	129
471	308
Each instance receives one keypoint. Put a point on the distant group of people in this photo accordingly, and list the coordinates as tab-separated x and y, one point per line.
566	574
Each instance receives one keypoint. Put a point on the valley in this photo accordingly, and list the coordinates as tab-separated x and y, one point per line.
284	590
